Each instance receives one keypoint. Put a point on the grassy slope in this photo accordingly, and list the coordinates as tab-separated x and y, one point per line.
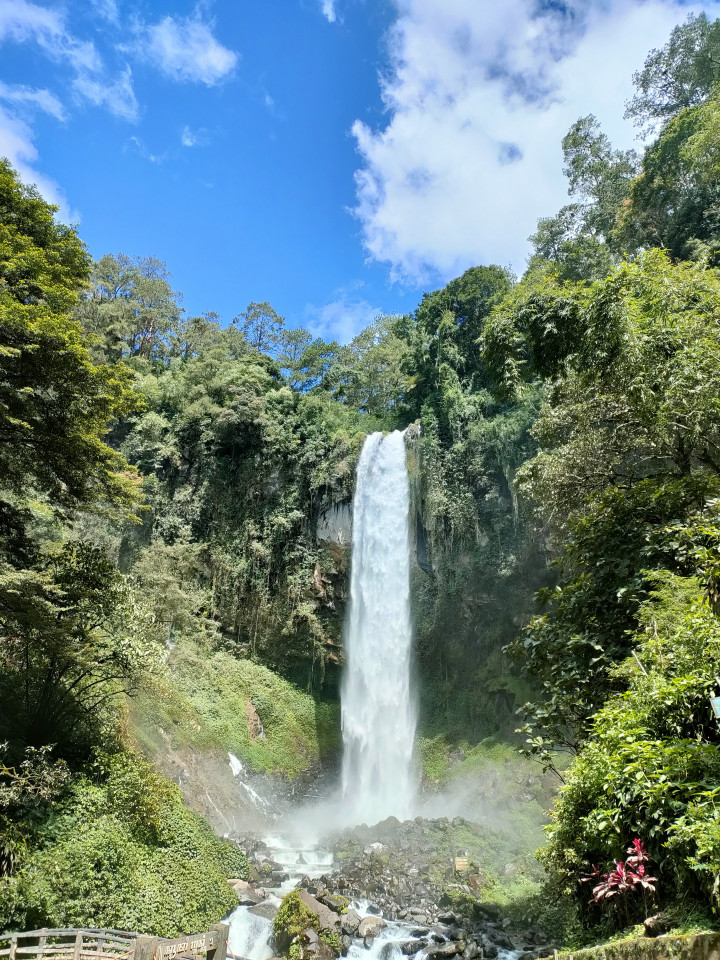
202	705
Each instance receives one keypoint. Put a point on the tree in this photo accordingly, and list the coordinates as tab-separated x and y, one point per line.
562	245
55	403
131	307
579	243
446	327
368	373
629	442
598	175
261	326
681	74
72	638
675	201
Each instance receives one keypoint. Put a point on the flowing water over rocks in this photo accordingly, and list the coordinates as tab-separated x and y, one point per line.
383	893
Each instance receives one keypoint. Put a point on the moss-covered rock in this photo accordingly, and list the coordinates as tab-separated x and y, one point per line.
300	912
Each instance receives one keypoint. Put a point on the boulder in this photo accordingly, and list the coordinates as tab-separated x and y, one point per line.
410	947
502	940
298	912
266	910
374	848
655	926
333	900
369	927
448	917
388	951
248	896
350	922
448	949
316	951
329	919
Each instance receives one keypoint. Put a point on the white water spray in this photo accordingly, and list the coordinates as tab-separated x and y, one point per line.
378	712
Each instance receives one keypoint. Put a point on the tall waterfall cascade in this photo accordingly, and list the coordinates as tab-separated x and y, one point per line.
378	710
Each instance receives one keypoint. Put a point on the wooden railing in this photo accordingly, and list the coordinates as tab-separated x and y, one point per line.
72	944
89	944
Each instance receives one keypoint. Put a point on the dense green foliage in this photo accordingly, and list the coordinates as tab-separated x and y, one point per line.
651	764
121	851
625	481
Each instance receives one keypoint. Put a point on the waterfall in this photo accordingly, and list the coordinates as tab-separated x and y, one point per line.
378	712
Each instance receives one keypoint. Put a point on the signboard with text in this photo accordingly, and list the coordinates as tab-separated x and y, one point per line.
186	946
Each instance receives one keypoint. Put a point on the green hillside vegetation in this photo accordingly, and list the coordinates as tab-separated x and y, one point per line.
203	704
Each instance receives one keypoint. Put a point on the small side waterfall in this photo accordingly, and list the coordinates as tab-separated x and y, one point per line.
378	712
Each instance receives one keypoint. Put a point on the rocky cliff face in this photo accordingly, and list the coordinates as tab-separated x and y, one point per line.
472	591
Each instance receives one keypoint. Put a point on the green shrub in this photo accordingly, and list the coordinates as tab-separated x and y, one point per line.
651	766
122	851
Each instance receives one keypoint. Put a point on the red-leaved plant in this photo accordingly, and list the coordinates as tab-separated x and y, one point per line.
628	876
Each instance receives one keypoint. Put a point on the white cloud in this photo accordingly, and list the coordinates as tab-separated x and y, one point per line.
186	49
107	9
118	96
145	153
479	97
16	143
24	22
340	320
42	99
328	9
188	138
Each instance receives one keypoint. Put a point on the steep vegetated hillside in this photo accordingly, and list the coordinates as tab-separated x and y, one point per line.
175	518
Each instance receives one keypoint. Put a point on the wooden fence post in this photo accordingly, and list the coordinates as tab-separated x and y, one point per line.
145	948
221	931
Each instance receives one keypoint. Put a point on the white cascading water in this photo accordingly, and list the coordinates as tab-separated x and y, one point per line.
378	711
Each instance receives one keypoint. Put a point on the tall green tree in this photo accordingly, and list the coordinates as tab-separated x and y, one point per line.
261	326
55	403
579	243
675	201
131	307
681	74
369	373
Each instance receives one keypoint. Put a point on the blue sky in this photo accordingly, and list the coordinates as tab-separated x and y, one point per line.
335	157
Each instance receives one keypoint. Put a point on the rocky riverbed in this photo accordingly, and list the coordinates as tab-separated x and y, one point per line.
394	890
